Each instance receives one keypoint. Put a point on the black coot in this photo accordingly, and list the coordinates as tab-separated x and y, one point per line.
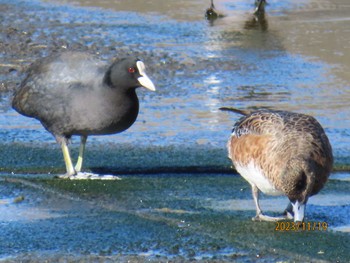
74	93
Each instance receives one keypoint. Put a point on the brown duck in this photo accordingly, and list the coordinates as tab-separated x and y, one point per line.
280	153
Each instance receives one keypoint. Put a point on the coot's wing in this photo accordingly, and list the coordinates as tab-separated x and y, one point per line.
49	81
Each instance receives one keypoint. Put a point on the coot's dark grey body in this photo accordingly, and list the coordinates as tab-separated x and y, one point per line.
73	93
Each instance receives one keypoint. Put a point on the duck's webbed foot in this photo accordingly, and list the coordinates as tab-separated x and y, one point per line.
262	217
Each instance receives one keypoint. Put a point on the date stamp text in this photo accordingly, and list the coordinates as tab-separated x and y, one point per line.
285	226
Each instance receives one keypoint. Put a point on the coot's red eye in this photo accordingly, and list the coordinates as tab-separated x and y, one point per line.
131	70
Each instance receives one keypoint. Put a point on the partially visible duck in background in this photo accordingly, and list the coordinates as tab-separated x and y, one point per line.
211	13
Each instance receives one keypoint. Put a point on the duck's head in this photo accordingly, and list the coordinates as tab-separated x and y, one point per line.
298	181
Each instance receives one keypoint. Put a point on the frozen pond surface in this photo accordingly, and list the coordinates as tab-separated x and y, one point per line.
161	218
297	59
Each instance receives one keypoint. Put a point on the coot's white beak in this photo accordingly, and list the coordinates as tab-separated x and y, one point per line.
144	80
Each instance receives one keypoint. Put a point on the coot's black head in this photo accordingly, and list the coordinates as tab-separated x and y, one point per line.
128	73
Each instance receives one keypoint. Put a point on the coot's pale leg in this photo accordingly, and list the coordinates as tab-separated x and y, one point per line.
67	160
79	164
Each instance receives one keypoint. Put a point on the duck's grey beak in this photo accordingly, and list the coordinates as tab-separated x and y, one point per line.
144	80
299	211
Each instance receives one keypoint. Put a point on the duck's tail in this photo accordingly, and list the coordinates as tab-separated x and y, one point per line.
242	112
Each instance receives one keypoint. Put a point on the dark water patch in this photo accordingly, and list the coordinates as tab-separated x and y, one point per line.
121	158
115	159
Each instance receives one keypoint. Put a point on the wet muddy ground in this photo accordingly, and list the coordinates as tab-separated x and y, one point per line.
178	198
